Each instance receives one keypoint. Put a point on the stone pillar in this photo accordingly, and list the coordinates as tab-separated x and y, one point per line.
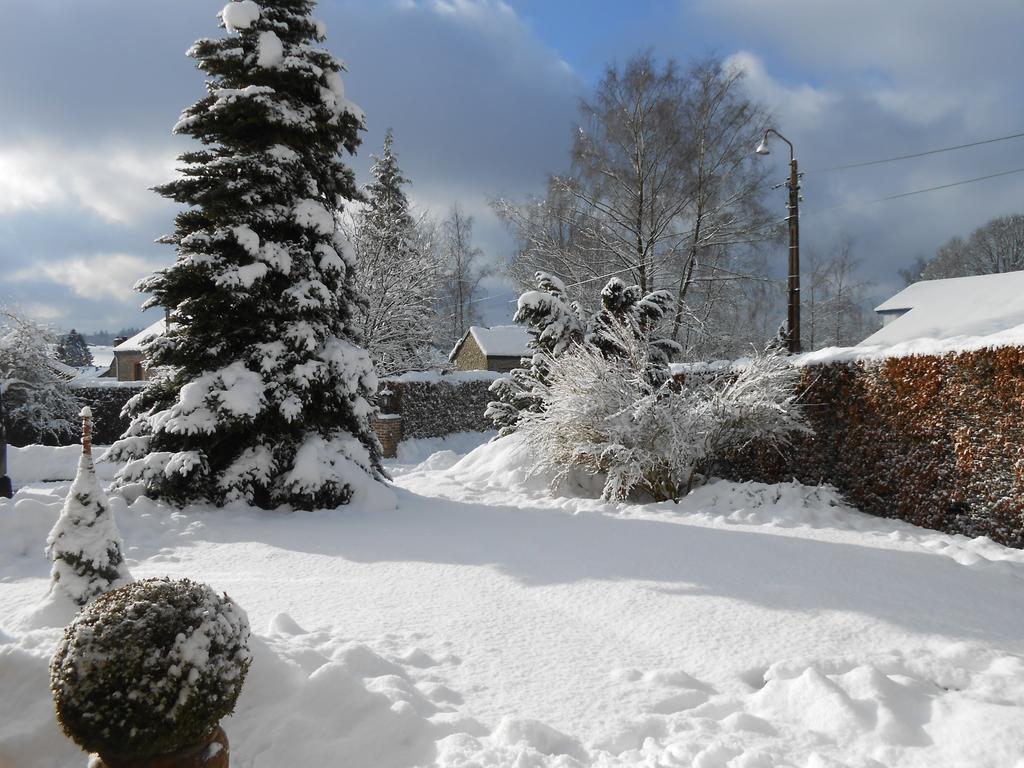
388	427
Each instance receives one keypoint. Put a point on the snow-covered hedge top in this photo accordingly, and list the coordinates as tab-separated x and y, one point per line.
707	367
439	377
93	382
150	668
1011	337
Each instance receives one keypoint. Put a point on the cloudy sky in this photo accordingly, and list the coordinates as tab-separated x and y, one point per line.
482	97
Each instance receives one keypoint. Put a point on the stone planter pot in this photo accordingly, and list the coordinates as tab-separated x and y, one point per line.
212	753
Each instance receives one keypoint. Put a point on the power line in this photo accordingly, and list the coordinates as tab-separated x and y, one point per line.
914	192
853	204
916	154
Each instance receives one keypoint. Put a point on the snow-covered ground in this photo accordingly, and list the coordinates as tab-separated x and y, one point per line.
484	623
102	356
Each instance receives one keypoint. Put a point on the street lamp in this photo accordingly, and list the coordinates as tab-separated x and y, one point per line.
793	323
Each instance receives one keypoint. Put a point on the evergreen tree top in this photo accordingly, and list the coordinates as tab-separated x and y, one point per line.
73	350
388	204
275	102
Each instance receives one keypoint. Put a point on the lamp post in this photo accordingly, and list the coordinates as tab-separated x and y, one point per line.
793	322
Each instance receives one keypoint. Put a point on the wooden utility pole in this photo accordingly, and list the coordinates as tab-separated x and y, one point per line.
794	257
793	219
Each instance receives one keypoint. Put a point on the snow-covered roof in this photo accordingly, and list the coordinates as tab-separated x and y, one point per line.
499	341
141	340
62	369
980	305
502	340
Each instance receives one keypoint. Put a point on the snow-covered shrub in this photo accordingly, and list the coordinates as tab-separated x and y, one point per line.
150	668
84	544
628	318
604	414
554	324
38	405
557	325
263	393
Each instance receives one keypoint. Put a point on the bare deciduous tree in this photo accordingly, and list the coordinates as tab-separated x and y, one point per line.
38	405
663	190
461	275
725	184
833	298
997	246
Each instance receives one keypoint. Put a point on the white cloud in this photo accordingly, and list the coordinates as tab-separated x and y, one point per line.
111	182
101	276
474	9
923	60
43	313
803	102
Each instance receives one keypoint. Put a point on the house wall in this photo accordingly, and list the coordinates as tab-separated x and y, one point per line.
936	440
130	366
503	364
470	356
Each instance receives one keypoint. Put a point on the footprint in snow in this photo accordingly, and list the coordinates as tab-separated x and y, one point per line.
675	678
679	702
756	678
417	657
442	694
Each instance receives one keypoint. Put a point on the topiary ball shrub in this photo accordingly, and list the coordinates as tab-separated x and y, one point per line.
150	668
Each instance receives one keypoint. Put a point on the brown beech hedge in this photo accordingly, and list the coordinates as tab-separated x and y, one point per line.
937	441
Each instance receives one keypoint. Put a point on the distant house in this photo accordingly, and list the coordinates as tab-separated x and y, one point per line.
491	349
129	363
978	305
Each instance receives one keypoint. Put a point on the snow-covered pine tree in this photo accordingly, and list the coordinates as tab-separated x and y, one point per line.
261	391
624	306
554	324
73	350
779	343
397	271
84	544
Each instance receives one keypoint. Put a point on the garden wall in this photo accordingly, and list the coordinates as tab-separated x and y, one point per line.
936	440
430	404
106	402
434	405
